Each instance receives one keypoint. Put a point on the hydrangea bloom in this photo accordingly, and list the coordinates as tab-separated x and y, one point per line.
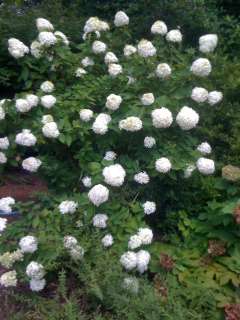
35	270
99	47
32	99
113	102
174	36
143	259
69	242
130	124
134	242
149	207
31	164
8	259
147	99
47	118
201	67
16	48
159	27
146	235
107	240
121	19
36	49
3	158
22	105
94	24
98	194
142	177
110	57
208	43
37	285
187	118
189	170
47	87
62	37
205	166
87	182
204	148
110	156
48	101
6	204
162	118
4	143
114	175
68	206
163	165
86	115
50	130
114	69
214	97
28	244
100	125
86	62
3	222
47	38
163	71
80	72
9	279
129	50
44	25
149	142
199	94
146	49
129	260
100	220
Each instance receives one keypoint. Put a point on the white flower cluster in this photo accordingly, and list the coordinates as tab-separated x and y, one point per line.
143	237
100	125
50	130
159	27
163	165
174	36
110	57
129	50
44	25
35	271
48	101
87	182
3	224
47	87
107	240
68	206
6	204
9	258
22	105
86	115
47	39
121	19
110	156
113	102
131	124
147	99
162	118
31	164
74	249
3	158
61	37
17	49
163	71
146	49
149	142
86	62
208	43
98	194
142	177
100	220
4	143
201	67
199	94
204	148
114	69
149	207
187	118
189	170
214	97
114	175
140	260
80	72
28	244
99	47
96	25
205	166
47	118
26	138
9	279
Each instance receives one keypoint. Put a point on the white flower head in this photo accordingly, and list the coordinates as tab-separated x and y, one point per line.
149	142
22	105
35	270
48	101
47	87
67	206
80	72
16	48
147	99
47	118
129	260
163	165
47	39
187	118
129	50
2	113
26	138
36	49
208	43
4	143
199	94
69	242
159	27
31	164
62	37
32	99
6	204
87	182
100	220
134	242
37	285
174	36
189	170
143	259
3	158
44	25
100	125
3	221
50	130
107	240
146	235
121	19
114	69
162	118
149	207
86	115
98	194
94	24
163	71
28	244
201	67
86	62
9	279
110	57
99	47
114	175
130	124
113	102
204	148
110	156
142	177
205	166
146	48
214	97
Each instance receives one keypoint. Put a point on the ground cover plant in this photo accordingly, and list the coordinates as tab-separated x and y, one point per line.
116	126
